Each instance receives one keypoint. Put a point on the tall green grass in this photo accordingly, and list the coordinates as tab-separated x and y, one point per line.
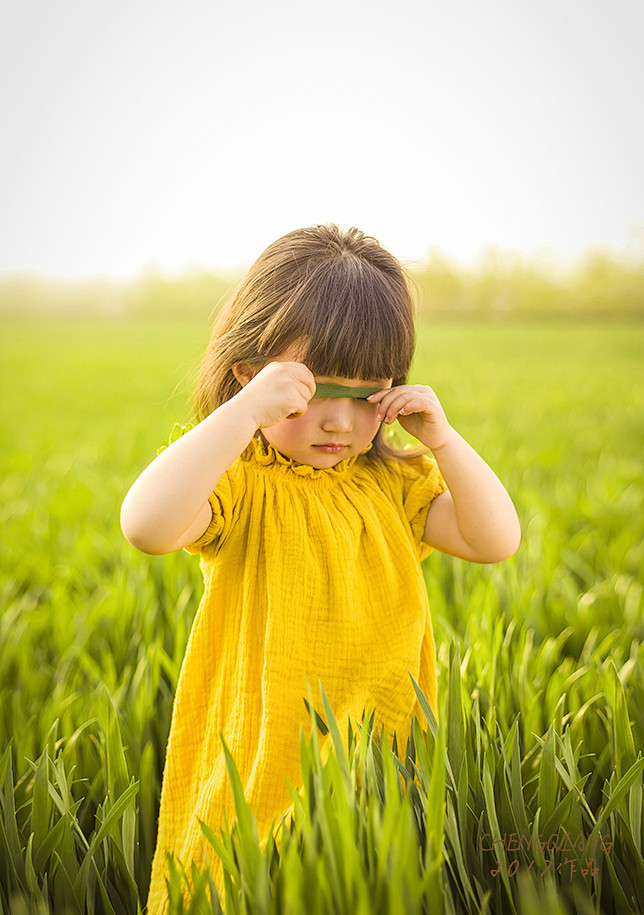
541	680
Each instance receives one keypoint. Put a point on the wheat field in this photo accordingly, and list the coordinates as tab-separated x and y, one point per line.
527	797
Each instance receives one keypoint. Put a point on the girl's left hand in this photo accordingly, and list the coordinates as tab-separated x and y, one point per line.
418	411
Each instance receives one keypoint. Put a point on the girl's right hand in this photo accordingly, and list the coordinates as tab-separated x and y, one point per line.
281	390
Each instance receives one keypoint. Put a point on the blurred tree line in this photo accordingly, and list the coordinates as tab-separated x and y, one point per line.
502	286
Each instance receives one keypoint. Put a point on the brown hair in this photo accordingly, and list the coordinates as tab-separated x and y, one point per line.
337	291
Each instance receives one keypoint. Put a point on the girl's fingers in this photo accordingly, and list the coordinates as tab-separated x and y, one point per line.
403	403
388	409
414	407
394	401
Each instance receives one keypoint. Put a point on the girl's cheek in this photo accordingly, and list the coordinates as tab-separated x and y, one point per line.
373	412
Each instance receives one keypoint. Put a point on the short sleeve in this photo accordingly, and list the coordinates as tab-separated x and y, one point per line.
422	481
222	502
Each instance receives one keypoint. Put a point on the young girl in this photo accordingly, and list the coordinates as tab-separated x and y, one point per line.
311	528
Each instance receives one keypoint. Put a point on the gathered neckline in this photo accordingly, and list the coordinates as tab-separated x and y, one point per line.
267	455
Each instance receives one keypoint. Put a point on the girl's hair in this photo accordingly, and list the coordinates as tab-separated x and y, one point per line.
337	292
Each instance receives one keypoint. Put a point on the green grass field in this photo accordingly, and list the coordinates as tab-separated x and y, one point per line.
541	665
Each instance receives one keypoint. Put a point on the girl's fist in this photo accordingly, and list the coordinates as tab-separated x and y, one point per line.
281	390
418	411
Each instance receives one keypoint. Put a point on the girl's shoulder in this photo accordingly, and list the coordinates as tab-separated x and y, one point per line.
417	478
177	431
409	468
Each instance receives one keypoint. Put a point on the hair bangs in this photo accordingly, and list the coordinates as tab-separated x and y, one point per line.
352	320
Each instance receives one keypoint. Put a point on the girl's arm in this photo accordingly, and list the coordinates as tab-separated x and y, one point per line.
476	519
167	506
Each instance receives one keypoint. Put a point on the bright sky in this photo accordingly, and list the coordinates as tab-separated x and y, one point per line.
189	134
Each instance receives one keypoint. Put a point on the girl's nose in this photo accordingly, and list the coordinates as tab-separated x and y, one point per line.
338	416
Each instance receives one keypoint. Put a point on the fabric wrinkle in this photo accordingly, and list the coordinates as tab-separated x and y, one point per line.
309	575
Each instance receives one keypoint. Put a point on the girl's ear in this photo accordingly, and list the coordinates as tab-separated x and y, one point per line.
243	372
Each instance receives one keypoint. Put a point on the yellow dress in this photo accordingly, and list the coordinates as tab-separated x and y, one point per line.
307	573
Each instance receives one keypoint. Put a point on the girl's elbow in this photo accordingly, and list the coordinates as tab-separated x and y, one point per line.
504	549
133	532
511	547
133	537
143	545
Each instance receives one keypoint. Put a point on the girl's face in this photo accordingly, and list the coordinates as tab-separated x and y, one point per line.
346	421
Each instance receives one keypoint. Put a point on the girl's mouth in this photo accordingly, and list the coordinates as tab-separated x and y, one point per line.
330	449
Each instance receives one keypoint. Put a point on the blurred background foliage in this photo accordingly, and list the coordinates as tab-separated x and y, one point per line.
502	285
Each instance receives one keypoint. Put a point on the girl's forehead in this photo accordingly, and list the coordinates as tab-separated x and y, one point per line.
295	352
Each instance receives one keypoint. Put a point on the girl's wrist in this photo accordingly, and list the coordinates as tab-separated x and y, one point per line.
444	441
245	422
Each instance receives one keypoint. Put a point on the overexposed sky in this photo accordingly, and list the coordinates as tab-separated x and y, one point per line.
192	133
